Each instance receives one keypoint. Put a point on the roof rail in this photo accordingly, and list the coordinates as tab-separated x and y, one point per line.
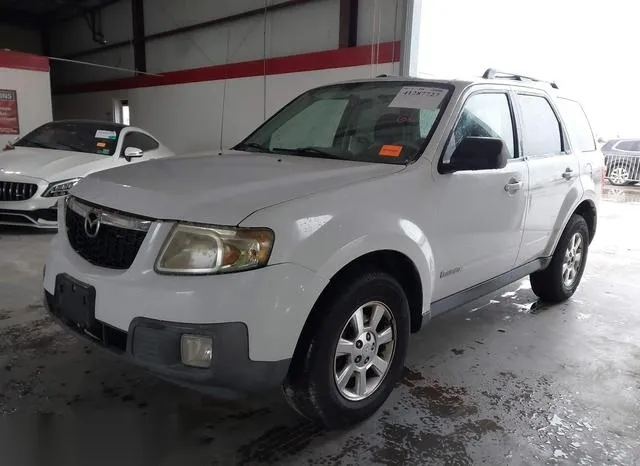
492	73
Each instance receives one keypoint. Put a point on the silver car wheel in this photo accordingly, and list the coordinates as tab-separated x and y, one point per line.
620	175
573	257
364	351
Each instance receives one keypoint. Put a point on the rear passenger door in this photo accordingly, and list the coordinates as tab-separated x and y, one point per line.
553	174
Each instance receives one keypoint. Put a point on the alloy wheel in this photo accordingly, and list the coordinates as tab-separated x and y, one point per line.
620	175
364	351
573	260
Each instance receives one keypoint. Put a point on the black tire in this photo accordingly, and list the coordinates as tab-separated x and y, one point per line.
548	284
310	387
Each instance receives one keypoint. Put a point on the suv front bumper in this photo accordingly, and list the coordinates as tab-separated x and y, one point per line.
155	346
254	317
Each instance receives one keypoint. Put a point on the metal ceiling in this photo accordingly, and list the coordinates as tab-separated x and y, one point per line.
41	13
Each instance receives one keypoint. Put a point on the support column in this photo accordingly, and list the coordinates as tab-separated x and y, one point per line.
139	44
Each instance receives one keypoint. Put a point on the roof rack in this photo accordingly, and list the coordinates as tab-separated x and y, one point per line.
492	73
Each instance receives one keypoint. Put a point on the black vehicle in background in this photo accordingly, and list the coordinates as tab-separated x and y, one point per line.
622	158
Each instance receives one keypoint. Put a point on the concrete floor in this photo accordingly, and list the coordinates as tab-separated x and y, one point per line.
501	381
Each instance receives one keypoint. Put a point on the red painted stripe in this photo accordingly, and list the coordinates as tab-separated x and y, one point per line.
23	61
340	58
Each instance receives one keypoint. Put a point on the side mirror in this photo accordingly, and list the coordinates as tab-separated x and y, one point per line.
132	153
478	153
11	144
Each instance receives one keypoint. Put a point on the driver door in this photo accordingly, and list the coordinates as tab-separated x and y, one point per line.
480	214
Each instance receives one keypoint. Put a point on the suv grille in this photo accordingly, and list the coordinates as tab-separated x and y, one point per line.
11	191
104	237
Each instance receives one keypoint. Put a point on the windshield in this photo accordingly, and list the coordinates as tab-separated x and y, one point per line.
384	122
77	136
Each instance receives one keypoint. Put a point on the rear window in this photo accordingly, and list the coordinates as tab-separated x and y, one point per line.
631	145
577	125
76	136
541	128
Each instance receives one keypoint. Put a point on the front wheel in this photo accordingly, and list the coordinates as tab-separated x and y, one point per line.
620	174
561	278
354	356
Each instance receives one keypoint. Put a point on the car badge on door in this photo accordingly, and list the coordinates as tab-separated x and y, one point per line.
92	224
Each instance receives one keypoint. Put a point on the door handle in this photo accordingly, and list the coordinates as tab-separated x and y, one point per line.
513	186
568	174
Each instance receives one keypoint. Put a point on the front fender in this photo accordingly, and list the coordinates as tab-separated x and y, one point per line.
327	241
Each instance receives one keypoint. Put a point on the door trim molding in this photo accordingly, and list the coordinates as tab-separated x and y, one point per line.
482	289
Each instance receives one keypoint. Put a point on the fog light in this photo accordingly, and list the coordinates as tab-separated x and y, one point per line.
196	350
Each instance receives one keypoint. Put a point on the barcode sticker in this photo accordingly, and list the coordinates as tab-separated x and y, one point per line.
419	97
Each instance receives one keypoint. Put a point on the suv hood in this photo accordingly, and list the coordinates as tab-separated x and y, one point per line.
219	189
48	164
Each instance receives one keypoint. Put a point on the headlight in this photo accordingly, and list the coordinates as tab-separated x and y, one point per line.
60	188
202	250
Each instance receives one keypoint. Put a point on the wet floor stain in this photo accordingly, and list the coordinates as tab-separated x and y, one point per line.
278	443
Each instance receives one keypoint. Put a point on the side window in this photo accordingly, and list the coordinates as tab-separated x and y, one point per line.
577	124
484	115
541	128
320	121
139	140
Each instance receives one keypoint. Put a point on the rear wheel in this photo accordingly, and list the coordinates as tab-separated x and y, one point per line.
354	356
561	278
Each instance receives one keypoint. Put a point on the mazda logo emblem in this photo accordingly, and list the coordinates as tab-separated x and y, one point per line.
92	224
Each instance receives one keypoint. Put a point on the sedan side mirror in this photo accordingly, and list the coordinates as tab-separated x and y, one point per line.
478	153
132	153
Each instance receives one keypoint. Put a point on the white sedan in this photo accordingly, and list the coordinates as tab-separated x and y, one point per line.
42	166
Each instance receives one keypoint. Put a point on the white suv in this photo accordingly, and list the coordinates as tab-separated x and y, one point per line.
306	256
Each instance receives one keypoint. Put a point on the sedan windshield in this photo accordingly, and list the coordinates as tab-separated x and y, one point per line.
76	136
384	122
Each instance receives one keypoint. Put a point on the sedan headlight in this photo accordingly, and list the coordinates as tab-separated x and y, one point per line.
60	188
203	250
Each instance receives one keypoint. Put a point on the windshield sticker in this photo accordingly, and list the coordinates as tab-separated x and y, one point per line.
101	144
103	151
419	97
390	151
104	134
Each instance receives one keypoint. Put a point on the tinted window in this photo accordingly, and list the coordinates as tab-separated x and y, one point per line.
385	122
484	115
139	140
541	128
78	136
577	125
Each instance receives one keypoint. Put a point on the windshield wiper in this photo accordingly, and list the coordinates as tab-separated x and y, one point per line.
309	150
253	145
70	147
34	144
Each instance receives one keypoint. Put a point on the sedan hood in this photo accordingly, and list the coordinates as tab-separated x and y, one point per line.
50	165
220	189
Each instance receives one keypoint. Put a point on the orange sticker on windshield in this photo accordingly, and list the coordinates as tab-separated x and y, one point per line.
390	151
101	144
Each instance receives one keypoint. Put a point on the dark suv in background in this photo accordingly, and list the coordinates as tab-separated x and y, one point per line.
622	158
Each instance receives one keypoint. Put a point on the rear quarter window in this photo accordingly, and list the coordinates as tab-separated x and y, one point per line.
577	125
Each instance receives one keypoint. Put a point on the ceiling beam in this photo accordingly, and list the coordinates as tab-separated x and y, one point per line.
77	9
18	18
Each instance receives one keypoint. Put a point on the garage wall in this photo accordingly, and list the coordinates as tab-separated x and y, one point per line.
20	39
28	75
250	66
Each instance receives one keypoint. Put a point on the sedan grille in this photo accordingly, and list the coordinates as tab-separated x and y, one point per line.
12	191
104	237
